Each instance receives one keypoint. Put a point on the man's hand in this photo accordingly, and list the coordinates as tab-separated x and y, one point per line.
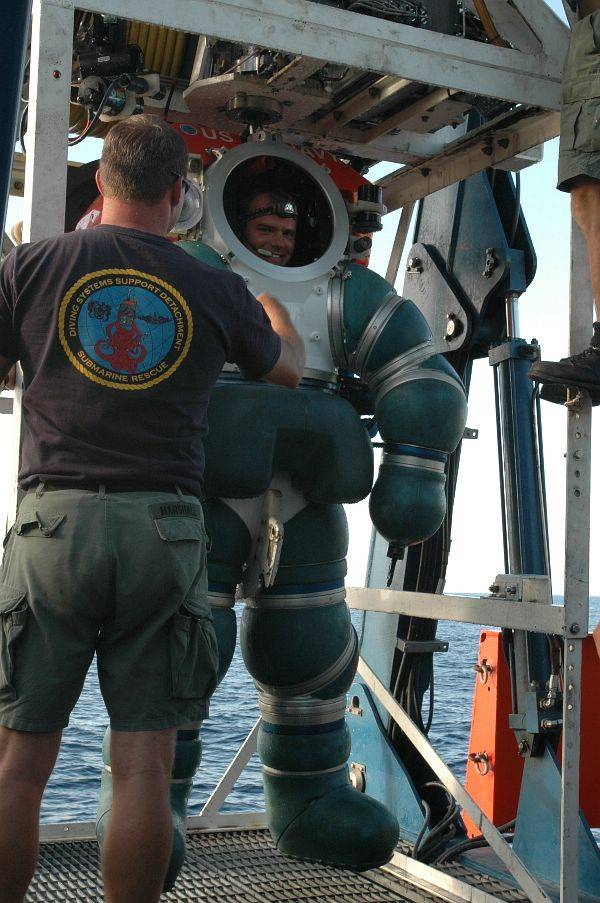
8	373
290	366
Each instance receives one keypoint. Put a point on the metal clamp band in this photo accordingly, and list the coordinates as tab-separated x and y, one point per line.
298	600
277	772
297	712
407	376
373	329
221	600
408	360
321	680
335	317
413	461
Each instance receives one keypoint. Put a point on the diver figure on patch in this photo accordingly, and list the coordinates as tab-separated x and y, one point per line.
122	347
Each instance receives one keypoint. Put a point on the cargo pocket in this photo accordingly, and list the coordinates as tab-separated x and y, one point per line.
194	655
580	126
186	538
13	616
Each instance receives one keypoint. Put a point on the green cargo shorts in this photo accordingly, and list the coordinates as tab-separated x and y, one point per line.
579	153
119	574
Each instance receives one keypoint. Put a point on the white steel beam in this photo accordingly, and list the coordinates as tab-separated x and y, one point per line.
322	32
75	832
48	119
577	554
491	611
383	89
432	880
406	147
391	274
462	797
472	153
46	160
234	770
552	33
228	821
423	104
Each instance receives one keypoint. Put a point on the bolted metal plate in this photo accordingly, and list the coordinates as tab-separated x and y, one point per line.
209	98
221	867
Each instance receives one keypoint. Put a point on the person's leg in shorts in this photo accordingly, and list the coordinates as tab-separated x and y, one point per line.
26	763
579	174
46	646
157	665
57	605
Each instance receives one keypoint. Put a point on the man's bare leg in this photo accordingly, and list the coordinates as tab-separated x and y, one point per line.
585	207
139	836
580	370
26	763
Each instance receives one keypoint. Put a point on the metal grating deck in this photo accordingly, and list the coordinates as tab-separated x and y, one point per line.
221	867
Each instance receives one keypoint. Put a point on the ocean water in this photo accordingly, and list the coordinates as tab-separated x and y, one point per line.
72	792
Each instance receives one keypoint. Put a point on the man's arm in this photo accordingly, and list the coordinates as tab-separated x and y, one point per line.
290	366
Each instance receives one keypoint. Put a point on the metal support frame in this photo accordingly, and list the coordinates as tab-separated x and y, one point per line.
400	51
46	162
232	773
323	32
393	266
479	149
491	610
526	881
577	555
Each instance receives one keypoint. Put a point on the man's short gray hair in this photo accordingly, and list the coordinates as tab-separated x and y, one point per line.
140	158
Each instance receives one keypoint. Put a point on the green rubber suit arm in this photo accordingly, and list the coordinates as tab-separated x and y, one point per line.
420	404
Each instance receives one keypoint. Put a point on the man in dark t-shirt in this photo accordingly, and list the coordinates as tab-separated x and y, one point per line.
120	336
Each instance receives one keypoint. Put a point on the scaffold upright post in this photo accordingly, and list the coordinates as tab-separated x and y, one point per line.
46	160
577	551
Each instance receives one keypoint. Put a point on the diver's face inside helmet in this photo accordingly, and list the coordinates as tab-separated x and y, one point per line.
269	228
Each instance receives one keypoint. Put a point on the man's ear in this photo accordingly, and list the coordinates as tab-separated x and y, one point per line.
175	192
98	178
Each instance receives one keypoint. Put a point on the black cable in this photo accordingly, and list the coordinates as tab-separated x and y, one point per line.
24	116
169	100
92	122
426	847
474	844
421	833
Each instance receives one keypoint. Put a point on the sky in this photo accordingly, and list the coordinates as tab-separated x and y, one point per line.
476	553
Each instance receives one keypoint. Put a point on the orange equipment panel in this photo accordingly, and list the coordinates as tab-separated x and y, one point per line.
494	767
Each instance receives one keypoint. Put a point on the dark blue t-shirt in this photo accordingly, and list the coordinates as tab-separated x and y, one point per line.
121	336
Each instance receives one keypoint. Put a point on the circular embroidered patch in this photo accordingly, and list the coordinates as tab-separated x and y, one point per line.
125	329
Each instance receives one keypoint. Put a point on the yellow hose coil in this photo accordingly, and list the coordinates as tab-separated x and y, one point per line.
150	54
169	50
163	48
178	54
143	37
159	56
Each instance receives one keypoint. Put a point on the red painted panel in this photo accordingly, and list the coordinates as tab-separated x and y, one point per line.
497	790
